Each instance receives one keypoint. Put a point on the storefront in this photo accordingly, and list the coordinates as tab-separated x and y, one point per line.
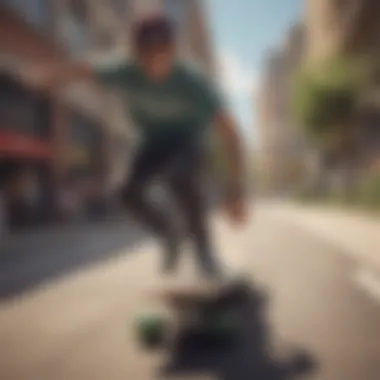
84	158
25	153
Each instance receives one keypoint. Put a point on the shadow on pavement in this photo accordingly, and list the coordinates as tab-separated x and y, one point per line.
251	357
29	260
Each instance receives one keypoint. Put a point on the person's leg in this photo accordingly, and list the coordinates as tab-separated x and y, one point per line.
148	163
186	184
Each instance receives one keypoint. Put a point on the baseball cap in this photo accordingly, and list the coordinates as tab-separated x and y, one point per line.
152	31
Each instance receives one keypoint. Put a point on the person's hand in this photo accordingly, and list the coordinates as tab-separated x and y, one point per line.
236	209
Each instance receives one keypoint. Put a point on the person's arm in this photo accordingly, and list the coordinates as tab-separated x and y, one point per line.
53	75
228	131
225	126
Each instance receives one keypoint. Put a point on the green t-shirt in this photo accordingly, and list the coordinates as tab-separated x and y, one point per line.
184	103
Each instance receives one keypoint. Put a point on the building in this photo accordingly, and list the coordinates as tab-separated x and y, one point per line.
27	130
78	140
341	27
282	143
268	101
350	28
61	134
97	128
296	147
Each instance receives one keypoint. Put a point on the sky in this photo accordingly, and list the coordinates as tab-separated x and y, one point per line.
243	31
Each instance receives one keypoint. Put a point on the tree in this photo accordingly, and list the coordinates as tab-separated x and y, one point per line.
325	103
325	98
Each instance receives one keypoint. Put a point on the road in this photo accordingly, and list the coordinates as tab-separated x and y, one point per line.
73	321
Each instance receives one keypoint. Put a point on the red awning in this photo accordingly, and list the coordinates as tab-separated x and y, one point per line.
19	145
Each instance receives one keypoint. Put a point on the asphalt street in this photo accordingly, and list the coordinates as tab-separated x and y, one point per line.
69	302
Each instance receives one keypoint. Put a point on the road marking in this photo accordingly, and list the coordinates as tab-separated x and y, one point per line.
368	282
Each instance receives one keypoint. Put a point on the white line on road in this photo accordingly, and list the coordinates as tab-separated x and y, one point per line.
368	282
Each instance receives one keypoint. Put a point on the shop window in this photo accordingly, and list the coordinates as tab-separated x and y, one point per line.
85	139
23	111
82	129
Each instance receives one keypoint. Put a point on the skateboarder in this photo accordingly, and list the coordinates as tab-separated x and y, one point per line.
172	106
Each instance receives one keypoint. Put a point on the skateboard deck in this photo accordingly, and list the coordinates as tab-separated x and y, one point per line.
210	308
183	294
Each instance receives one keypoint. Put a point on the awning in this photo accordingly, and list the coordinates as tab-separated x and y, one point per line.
18	145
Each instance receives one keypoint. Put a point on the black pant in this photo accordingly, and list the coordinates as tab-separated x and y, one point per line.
178	162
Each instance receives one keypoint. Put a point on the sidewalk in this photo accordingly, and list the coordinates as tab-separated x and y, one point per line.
56	234
356	234
32	259
29	259
78	327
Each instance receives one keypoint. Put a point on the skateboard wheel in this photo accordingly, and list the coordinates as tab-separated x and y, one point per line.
151	330
224	326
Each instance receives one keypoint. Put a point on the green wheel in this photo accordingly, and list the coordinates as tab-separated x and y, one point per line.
224	326
151	330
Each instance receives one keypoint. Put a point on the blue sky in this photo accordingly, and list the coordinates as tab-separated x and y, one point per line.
243	31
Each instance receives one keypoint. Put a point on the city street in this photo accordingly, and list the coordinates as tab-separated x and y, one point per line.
67	313
98	99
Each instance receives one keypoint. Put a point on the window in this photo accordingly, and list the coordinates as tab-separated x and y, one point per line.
84	133
346	10
78	9
80	129
85	140
35	12
73	29
120	6
340	5
22	111
175	9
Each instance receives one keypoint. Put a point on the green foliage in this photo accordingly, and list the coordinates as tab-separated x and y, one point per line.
367	196
325	98
370	191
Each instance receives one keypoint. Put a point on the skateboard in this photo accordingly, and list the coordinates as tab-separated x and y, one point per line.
205	311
